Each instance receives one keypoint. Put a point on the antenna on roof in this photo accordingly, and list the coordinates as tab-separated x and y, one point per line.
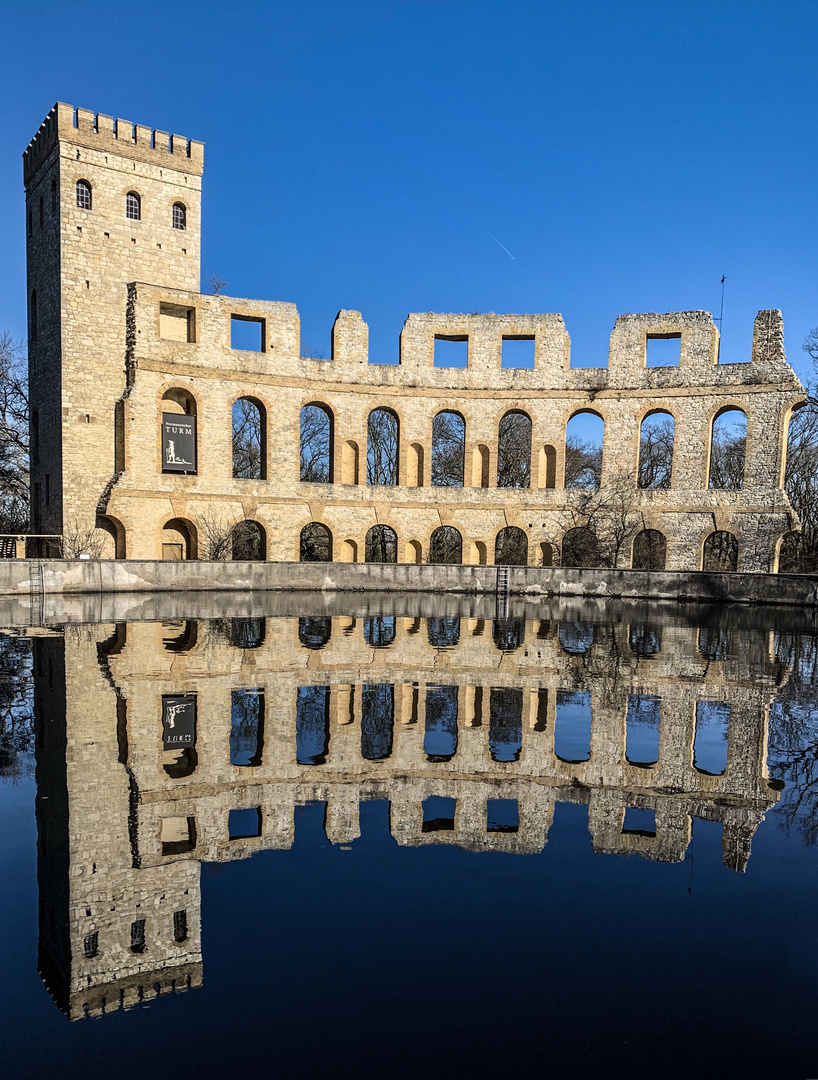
721	309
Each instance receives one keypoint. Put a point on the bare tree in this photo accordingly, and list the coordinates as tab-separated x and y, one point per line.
216	284
605	520
247	440
315	445
727	451
448	449
215	536
77	541
514	451
14	437
310	352
799	554
382	447
656	453
583	463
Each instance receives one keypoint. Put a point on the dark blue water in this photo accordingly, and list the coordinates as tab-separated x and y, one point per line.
395	866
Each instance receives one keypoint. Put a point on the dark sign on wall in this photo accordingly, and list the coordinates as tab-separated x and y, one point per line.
178	443
178	721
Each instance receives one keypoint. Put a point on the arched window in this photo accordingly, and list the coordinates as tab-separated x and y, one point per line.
316	445
382	447
377	720
511	547
720	553
448	449
584	436
249	430
247	727
572	726
314	631
381	545
83	195
312	725
656	438
727	449
315	543
179	216
514	451
576	636
32	316
379	630
645	639
580	548
446	546
178	540
505	723
443	631
53	196
795	556
179	449
133	206
508	634
649	550
248	542
440	737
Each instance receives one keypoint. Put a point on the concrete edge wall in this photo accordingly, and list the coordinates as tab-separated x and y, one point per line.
35	577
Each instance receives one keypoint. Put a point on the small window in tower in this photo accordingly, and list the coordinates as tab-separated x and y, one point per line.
90	945
41	211
32	315
53	196
133	206
83	195
179	216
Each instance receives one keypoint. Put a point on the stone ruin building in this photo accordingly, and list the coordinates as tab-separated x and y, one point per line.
456	721
154	437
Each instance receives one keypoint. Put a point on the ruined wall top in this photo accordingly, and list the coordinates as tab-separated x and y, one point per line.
83	127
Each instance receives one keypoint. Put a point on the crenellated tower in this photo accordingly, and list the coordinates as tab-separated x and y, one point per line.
107	203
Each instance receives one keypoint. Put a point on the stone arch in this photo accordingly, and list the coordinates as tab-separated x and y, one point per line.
414	464
649	550
179	540
514	435
349	462
479	554
248	542
511	547
315	543
584	445
794	556
414	552
546	554
114	544
480	466
720	552
448	449
249	421
657	436
446	546
383	447
728	448
790	429
580	547
547	467
315	443
177	399
349	551
381	545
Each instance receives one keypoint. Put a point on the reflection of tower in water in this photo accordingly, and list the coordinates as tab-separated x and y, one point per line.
621	718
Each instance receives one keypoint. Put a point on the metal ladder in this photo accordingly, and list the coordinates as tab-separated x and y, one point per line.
502	592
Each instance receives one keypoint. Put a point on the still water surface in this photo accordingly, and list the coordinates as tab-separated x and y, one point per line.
424	843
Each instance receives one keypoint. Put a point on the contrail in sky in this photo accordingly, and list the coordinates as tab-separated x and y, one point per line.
503	246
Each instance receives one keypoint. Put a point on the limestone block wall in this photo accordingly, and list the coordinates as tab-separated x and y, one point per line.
120	324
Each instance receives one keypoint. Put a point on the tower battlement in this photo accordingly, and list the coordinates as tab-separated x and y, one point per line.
85	128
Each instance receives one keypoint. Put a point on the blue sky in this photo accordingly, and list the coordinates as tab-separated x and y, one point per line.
367	154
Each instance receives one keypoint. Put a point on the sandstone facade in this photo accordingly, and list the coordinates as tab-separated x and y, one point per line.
120	334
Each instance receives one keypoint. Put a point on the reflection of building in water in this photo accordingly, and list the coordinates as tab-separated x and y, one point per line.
472	730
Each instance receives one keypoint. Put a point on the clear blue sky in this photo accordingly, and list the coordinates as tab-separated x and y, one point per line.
364	154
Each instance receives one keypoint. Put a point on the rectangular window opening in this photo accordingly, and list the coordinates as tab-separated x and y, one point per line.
438	814
138	936
451	351
502	815
663	350
177	323
178	835
244	824
518	352
247	333
639	821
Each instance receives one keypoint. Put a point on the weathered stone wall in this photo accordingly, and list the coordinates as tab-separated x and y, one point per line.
105	359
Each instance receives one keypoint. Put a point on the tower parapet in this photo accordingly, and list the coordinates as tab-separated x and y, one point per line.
96	131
